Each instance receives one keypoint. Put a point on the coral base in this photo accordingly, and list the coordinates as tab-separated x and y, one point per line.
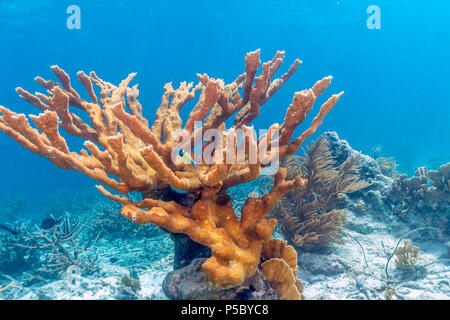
189	283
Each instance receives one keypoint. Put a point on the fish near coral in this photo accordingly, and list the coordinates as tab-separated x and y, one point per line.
126	153
185	156
49	223
10	230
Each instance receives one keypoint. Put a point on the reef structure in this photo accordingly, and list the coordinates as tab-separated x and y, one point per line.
125	153
315	218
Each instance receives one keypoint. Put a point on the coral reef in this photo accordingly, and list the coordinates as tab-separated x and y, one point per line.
388	166
106	222
99	216
235	254
189	283
121	144
441	179
427	191
15	257
414	201
279	267
9	291
60	247
346	271
407	255
52	252
313	218
361	267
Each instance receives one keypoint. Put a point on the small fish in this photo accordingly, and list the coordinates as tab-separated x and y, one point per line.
6	228
185	156
49	223
113	260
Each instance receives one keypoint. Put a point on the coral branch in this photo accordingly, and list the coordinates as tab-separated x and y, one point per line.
126	154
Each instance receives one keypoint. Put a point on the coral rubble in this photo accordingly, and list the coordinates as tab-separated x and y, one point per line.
126	154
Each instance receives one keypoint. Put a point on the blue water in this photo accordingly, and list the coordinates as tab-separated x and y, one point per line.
395	79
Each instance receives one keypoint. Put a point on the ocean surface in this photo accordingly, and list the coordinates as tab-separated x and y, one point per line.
395	78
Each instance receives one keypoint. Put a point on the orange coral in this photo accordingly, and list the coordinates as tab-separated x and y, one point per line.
126	154
282	278
276	248
235	244
280	268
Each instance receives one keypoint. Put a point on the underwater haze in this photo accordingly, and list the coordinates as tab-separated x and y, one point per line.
393	67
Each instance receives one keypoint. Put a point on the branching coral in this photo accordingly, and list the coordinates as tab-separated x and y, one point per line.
235	244
60	248
12	288
311	219
14	256
51	252
121	144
